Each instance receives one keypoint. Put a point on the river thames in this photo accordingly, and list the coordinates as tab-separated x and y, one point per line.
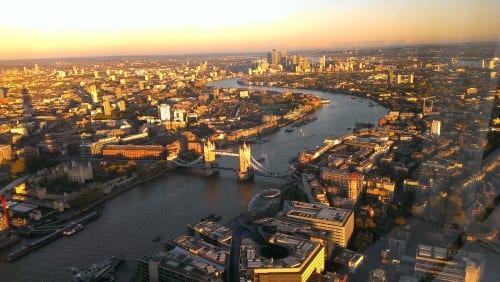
164	206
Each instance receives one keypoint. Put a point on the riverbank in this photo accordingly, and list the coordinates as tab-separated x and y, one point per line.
73	213
348	92
165	205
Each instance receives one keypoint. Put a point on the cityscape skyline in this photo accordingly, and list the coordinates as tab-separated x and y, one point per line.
111	28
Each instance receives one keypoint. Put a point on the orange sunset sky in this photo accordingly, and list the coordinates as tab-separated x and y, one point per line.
54	28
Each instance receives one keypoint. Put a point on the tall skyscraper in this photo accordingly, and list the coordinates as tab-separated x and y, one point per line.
273	57
322	62
390	78
93	93
436	128
165	112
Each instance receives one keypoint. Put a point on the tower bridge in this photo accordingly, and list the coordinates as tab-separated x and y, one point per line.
248	165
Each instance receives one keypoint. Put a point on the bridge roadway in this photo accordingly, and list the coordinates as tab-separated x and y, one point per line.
254	171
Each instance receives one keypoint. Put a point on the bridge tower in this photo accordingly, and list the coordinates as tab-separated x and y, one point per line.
209	158
209	153
245	155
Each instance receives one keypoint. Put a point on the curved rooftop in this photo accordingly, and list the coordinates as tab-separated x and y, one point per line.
266	203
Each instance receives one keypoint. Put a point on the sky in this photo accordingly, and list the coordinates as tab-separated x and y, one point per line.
62	28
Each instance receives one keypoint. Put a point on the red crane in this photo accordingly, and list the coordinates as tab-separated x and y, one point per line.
4	207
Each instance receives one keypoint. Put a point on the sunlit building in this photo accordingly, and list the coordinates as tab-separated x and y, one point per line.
443	264
165	112
301	258
93	93
133	151
340	222
436	128
5	152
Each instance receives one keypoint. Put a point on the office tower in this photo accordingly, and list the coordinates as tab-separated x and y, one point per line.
273	57
436	127
340	222
96	74
390	79
165	112
283	58
411	78
322	62
93	93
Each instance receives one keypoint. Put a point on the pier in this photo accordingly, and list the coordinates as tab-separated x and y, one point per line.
26	249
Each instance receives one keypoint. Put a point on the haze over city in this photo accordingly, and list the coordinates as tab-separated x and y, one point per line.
46	29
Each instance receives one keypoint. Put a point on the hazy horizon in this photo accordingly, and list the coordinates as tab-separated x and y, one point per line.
57	29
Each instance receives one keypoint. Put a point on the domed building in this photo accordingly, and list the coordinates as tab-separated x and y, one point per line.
266	203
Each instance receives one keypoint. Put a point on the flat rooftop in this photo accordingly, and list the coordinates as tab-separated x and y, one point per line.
316	212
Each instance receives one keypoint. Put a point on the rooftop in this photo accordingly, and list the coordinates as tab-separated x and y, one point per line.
316	212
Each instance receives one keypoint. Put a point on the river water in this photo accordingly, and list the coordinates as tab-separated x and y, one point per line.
165	206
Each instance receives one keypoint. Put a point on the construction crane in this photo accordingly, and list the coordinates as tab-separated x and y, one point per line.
4	208
424	107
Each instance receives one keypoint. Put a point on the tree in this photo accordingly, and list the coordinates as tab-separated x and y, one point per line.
18	166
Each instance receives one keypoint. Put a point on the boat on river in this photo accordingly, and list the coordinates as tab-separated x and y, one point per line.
72	230
97	271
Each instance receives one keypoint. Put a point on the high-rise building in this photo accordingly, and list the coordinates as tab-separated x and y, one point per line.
322	62
390	78
107	107
93	93
273	57
340	222
436	127
165	112
283	58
